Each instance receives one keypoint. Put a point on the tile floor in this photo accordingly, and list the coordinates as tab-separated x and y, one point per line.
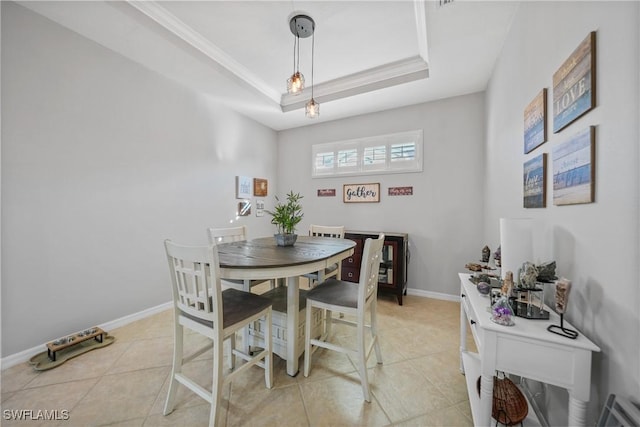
125	384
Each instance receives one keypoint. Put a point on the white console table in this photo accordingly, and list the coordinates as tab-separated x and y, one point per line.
526	349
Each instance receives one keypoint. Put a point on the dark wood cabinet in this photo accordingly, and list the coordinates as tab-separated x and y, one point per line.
393	267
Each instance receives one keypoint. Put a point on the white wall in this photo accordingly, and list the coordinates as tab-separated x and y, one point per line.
446	207
595	245
101	161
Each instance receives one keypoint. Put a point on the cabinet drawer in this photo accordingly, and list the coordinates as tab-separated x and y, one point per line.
352	262
351	274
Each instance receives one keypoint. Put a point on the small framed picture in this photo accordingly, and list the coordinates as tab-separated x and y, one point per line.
244	208
243	187
259	207
260	187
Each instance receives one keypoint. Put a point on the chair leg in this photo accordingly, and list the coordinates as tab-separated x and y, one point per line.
216	384
374	331
268	359
362	361
328	322
307	338
178	334
232	346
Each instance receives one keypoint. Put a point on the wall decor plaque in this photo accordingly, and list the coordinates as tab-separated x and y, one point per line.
326	192
535	182
361	193
401	191
535	128
574	84
573	169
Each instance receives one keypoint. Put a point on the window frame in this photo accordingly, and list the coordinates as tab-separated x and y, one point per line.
411	165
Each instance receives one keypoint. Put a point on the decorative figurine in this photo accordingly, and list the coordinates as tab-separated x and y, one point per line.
497	257
563	286
527	275
547	272
486	253
507	283
501	311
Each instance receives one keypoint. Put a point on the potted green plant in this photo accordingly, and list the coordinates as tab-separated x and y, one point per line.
286	216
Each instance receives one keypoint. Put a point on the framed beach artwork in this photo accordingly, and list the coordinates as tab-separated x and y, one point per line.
535	128
574	169
535	182
574	84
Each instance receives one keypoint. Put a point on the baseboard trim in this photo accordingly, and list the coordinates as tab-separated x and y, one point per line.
434	295
25	355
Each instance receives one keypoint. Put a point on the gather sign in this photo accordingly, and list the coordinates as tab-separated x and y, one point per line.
361	193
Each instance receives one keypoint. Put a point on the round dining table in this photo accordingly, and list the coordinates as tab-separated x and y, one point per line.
262	258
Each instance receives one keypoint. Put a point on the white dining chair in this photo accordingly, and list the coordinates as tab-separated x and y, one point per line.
333	270
352	299
200	305
234	234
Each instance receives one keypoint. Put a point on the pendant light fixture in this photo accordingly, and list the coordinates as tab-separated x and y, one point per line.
312	109
295	83
302	26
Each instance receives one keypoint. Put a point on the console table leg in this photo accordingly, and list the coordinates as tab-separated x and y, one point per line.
577	412
486	399
463	335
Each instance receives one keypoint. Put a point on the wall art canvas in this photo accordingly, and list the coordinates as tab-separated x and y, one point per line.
574	169
535	182
260	187
574	84
243	187
361	193
535	128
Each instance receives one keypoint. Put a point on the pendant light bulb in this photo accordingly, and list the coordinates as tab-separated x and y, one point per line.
295	83
312	109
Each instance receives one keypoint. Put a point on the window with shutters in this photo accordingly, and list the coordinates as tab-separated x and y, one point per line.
393	153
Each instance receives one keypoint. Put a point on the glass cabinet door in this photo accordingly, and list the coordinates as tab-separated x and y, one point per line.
386	272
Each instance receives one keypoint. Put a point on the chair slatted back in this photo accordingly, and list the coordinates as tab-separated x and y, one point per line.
195	276
369	269
326	231
226	235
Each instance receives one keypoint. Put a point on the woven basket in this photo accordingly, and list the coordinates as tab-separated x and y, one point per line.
509	405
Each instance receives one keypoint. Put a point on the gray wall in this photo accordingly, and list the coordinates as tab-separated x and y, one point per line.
595	245
446	206
101	161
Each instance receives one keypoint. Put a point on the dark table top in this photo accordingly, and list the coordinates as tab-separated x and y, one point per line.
264	253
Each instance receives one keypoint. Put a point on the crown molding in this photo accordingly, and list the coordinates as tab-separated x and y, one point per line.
421	28
170	22
391	74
